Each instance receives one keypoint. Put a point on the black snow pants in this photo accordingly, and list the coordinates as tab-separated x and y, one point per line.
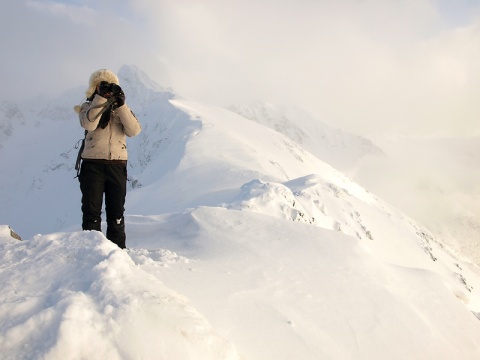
98	177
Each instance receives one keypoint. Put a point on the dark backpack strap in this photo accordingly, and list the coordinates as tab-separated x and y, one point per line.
79	156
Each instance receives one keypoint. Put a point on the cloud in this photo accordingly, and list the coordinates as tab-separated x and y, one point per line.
367	66
50	47
75	13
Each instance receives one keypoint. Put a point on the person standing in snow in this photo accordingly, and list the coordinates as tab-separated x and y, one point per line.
107	121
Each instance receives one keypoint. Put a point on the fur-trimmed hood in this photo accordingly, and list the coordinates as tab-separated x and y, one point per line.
95	79
99	76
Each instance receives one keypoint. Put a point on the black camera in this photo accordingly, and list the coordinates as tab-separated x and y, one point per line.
109	88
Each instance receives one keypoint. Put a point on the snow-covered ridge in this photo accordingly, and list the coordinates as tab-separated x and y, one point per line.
313	201
334	146
440	175
324	197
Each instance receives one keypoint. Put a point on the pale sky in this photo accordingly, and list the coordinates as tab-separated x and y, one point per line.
368	66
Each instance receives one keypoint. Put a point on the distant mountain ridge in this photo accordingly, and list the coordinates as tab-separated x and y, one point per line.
334	146
10	117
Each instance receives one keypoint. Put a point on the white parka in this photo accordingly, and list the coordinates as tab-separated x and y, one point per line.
109	143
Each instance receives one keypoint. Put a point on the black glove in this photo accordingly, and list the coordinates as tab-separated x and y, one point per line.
105	89
120	98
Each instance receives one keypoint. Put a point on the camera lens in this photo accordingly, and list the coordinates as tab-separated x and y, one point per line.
116	89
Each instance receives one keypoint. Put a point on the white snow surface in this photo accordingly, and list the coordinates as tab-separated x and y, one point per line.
241	245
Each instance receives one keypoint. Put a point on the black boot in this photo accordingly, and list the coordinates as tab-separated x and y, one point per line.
92	223
116	232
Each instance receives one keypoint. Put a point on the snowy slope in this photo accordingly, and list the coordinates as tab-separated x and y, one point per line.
433	179
11	117
242	244
281	290
37	162
241	173
334	146
275	289
78	296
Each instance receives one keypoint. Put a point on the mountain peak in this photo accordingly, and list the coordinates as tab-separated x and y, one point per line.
132	74
139	86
